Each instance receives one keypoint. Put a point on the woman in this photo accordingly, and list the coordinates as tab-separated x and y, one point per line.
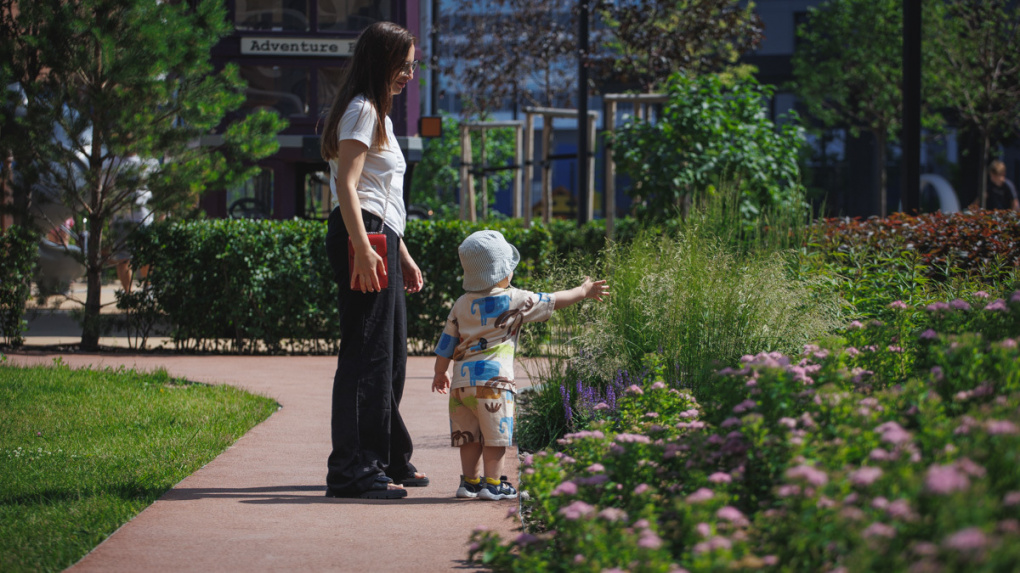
371	447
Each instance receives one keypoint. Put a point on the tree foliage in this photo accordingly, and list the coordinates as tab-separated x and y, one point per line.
510	50
436	182
101	79
710	133
848	70
651	39
977	43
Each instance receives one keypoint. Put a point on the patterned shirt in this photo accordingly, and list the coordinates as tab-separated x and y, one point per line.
481	334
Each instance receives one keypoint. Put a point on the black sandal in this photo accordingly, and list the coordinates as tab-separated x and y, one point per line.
380	489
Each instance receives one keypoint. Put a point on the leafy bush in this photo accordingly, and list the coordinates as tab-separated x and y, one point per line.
18	250
710	132
266	286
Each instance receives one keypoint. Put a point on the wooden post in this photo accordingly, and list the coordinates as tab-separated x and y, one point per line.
516	209
546	168
529	165
467	181
610	184
483	178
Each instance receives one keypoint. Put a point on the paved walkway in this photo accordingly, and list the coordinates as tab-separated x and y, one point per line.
260	506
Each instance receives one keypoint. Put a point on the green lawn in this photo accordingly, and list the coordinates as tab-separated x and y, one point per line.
83	451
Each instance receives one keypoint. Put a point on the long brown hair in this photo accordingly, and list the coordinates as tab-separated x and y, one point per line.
379	53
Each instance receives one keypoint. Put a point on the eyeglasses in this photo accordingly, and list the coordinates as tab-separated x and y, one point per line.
409	67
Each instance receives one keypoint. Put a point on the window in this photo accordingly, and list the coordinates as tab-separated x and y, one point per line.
351	15
281	88
252	199
318	200
272	15
329	79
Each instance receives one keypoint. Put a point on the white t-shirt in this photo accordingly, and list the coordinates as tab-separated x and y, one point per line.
384	168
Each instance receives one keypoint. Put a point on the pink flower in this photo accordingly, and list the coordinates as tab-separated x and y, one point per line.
720	477
649	540
744	406
525	539
652	415
703	494
937	306
712	544
959	304
642	488
896	349
788	490
865	476
879	529
596	468
966	540
893	433
851	351
733	515
658	385
633	439
730	422
967	466
704	529
981	294
613	514
565	488
855	325
898	304
929	334
937	374
577	510
1012	498
770	560
788	422
528	460
1015	297
998	305
601	406
578	559
943	480
999	427
634	389
809	474
900	509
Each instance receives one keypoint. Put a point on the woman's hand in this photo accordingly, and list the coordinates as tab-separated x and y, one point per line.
413	280
368	267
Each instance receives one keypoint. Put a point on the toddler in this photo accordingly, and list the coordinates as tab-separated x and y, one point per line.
479	339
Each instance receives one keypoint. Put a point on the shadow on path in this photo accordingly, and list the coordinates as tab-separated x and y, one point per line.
296	494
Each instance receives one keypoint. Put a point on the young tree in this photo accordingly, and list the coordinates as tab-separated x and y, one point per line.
651	39
708	134
977	43
100	80
848	71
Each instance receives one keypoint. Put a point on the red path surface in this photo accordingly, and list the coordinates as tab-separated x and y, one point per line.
260	505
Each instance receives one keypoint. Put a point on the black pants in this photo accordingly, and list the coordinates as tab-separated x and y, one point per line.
369	437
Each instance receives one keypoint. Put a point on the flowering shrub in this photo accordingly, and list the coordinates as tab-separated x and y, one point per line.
848	457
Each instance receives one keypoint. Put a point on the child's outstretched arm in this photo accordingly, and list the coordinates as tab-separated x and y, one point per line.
441	380
588	289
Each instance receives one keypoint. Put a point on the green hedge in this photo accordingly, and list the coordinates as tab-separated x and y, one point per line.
266	286
18	253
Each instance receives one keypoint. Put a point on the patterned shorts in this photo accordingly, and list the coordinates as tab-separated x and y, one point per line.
481	414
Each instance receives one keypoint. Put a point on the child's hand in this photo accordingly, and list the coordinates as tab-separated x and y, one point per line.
441	383
595	289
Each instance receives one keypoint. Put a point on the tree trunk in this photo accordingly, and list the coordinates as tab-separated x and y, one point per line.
93	280
882	179
983	169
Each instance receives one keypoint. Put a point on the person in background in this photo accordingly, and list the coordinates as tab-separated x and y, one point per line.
372	448
1001	193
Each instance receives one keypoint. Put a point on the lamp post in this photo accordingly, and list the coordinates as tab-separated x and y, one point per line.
582	114
911	186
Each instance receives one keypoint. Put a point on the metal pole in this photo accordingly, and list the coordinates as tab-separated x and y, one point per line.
911	195
582	116
434	68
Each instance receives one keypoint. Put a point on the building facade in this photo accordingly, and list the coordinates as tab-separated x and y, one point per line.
291	54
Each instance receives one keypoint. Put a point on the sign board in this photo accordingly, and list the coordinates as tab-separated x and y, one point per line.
276	46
